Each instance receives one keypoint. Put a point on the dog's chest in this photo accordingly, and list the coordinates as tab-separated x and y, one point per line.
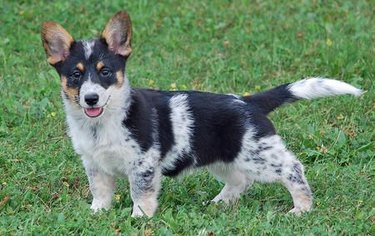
107	146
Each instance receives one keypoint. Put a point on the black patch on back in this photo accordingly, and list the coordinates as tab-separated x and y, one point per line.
220	122
219	125
165	132
144	124
139	120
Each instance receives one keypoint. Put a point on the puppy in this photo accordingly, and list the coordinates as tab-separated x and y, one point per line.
144	134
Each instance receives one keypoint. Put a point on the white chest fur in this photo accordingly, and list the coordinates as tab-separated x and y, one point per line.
106	145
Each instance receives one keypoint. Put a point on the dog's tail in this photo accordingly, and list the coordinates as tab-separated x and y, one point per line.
304	89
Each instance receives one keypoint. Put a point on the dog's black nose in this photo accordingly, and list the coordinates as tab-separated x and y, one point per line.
91	99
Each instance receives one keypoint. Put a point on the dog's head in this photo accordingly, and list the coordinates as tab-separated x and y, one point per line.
90	70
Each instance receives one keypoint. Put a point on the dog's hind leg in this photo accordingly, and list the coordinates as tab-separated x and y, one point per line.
295	181
235	181
270	161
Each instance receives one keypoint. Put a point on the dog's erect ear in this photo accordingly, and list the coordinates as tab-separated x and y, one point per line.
56	42
117	33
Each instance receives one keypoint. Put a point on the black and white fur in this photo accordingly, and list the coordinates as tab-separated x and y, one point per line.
144	134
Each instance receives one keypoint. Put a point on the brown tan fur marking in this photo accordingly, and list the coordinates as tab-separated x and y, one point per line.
56	42
120	78
117	34
71	92
81	67
99	65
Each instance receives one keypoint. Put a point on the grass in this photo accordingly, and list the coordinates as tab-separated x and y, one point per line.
221	46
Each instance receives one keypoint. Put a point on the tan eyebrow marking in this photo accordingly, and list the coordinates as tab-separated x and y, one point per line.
81	67
99	65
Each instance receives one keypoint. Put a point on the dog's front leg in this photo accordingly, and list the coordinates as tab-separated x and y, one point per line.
102	187
145	185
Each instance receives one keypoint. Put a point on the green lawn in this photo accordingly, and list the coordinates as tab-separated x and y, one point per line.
219	46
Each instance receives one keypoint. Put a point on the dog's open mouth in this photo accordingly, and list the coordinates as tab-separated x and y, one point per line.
93	112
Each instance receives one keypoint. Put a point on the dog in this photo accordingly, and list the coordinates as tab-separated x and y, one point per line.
143	134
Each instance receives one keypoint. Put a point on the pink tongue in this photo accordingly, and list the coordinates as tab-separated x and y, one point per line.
93	112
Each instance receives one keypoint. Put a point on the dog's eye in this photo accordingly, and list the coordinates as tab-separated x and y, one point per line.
105	72
76	75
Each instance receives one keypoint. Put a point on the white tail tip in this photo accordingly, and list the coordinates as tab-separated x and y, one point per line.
321	87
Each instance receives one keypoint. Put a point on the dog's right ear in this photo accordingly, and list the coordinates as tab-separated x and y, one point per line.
56	42
117	33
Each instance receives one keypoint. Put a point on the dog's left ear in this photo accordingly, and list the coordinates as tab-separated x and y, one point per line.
117	33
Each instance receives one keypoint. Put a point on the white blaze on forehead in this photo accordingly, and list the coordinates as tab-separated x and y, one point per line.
182	127
88	48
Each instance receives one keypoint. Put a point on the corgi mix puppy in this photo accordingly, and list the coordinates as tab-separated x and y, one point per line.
143	134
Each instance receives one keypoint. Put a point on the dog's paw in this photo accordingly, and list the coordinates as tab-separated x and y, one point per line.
138	212
229	199
298	211
97	210
217	199
98	206
143	211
